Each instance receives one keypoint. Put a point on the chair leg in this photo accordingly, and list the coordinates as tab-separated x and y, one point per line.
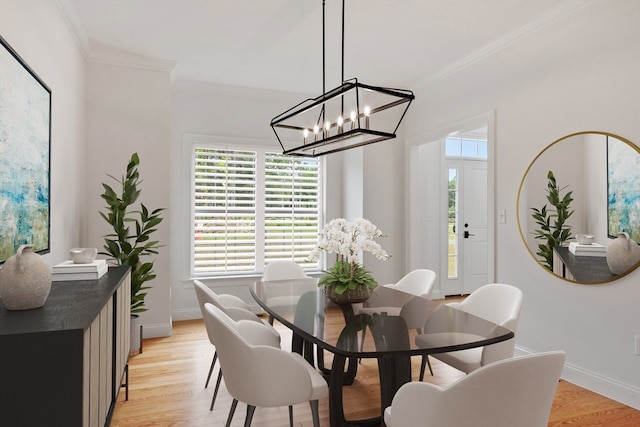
215	392
213	363
425	361
250	410
314	413
290	416
232	411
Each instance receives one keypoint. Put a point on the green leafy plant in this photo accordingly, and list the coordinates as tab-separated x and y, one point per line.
131	240
552	230
345	276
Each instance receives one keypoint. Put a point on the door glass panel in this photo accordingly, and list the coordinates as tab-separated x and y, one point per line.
452	225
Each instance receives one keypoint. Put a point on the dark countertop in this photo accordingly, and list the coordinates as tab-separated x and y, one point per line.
71	305
585	269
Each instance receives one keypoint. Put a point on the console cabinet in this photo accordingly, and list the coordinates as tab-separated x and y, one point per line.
583	269
62	364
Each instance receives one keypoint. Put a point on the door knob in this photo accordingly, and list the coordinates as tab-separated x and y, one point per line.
467	234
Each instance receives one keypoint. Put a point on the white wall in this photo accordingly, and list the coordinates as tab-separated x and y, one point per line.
129	111
40	36
384	198
597	88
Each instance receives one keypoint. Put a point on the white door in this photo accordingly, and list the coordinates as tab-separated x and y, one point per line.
474	228
467	226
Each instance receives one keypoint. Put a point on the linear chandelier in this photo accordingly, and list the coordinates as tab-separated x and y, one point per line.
351	115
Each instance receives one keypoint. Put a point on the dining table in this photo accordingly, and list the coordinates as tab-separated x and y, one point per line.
302	306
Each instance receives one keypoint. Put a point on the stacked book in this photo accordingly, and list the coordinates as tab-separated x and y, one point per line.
69	270
594	249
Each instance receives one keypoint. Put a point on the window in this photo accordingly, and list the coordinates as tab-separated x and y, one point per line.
452	245
251	207
472	148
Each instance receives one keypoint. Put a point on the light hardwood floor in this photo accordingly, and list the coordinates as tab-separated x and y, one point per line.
167	390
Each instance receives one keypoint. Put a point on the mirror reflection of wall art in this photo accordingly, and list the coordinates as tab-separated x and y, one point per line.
623	189
602	172
25	135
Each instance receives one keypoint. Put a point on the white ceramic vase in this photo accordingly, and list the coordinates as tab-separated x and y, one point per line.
622	254
25	280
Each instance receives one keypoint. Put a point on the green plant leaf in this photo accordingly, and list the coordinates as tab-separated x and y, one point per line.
552	221
126	248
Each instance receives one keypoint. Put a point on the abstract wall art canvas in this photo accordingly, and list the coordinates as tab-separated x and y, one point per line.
623	188
25	152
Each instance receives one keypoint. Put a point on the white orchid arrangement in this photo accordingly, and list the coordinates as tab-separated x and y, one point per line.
348	240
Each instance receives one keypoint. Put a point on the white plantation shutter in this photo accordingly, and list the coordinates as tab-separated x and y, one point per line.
251	207
292	210
224	211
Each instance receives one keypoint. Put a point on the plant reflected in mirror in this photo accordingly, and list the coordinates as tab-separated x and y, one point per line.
552	230
564	194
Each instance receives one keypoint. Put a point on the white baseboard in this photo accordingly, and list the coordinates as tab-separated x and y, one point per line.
186	314
592	381
156	330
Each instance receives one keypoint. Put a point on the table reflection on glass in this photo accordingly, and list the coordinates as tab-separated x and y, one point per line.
302	307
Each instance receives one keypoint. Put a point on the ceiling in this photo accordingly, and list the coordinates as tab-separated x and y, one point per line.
277	44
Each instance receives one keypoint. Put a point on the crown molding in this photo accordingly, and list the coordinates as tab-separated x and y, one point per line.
131	61
74	23
122	59
552	15
238	91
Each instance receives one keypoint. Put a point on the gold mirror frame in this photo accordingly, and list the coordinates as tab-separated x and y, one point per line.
555	154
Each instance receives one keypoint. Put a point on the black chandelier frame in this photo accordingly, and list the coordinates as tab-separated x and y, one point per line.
308	119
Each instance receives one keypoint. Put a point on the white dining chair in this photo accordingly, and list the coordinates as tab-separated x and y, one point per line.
236	309
412	303
261	375
497	302
512	392
282	270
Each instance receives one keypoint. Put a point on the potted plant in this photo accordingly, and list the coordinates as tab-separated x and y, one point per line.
348	281
130	243
553	229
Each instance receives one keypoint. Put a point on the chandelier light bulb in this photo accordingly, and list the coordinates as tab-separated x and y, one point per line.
340	121
352	116
316	129
367	113
305	134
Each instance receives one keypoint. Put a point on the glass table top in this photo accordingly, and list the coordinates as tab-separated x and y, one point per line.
303	307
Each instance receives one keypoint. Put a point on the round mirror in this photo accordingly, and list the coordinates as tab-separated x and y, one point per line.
577	196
